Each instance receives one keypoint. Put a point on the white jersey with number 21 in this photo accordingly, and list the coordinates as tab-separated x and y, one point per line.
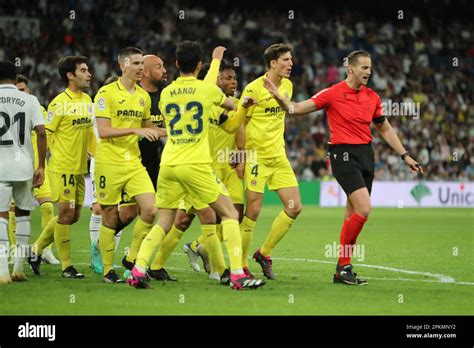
20	113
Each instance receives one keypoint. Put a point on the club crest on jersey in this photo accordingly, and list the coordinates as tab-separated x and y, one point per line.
101	104
67	192
253	182
102	195
142	102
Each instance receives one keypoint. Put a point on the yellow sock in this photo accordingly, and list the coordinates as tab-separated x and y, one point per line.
47	213
246	233
46	237
213	248
219	232
107	247
194	244
201	238
169	243
148	247
62	237
140	230
280	226
12	227
233	242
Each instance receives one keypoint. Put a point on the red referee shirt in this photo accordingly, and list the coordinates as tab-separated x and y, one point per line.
349	112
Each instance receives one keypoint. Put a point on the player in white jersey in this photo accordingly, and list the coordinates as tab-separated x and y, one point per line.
20	113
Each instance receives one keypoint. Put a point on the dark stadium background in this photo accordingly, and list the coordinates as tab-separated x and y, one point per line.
412	56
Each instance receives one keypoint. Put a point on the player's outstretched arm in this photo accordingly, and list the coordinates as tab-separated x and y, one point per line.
293	108
392	139
213	72
106	130
234	122
160	131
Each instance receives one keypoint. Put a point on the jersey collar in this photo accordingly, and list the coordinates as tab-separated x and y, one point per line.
72	95
8	85
348	89
186	78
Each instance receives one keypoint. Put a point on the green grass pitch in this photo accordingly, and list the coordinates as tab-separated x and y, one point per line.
417	262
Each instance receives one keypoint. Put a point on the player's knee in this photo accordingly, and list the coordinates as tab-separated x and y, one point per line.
148	215
67	217
207	216
183	224
364	210
294	210
253	210
183	221
127	217
231	213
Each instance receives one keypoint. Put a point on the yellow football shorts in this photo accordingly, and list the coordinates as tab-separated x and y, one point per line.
231	181
274	172
111	181
198	181
66	187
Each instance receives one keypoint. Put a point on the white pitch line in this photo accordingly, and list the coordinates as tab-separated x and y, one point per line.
440	278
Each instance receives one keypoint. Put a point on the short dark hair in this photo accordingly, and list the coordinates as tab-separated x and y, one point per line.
69	64
127	52
7	70
353	57
204	70
225	64
21	78
275	51
188	55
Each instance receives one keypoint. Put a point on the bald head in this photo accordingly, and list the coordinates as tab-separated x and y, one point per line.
155	71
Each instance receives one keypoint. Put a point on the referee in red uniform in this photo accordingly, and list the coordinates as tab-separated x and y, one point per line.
351	106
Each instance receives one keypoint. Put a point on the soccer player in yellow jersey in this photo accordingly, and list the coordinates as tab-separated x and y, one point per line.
185	165
222	144
264	129
122	115
42	194
214	262
70	136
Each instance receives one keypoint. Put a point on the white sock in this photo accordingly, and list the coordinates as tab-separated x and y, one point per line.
23	231
94	226
117	240
4	247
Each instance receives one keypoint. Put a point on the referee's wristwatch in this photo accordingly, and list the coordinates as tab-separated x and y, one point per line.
403	155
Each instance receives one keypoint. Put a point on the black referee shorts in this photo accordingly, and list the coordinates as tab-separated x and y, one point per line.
352	166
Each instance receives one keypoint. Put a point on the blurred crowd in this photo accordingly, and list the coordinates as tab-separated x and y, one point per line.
417	58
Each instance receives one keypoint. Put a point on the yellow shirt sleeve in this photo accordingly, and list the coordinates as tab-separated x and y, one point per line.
54	116
146	112
217	97
92	141
213	72
235	119
102	103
